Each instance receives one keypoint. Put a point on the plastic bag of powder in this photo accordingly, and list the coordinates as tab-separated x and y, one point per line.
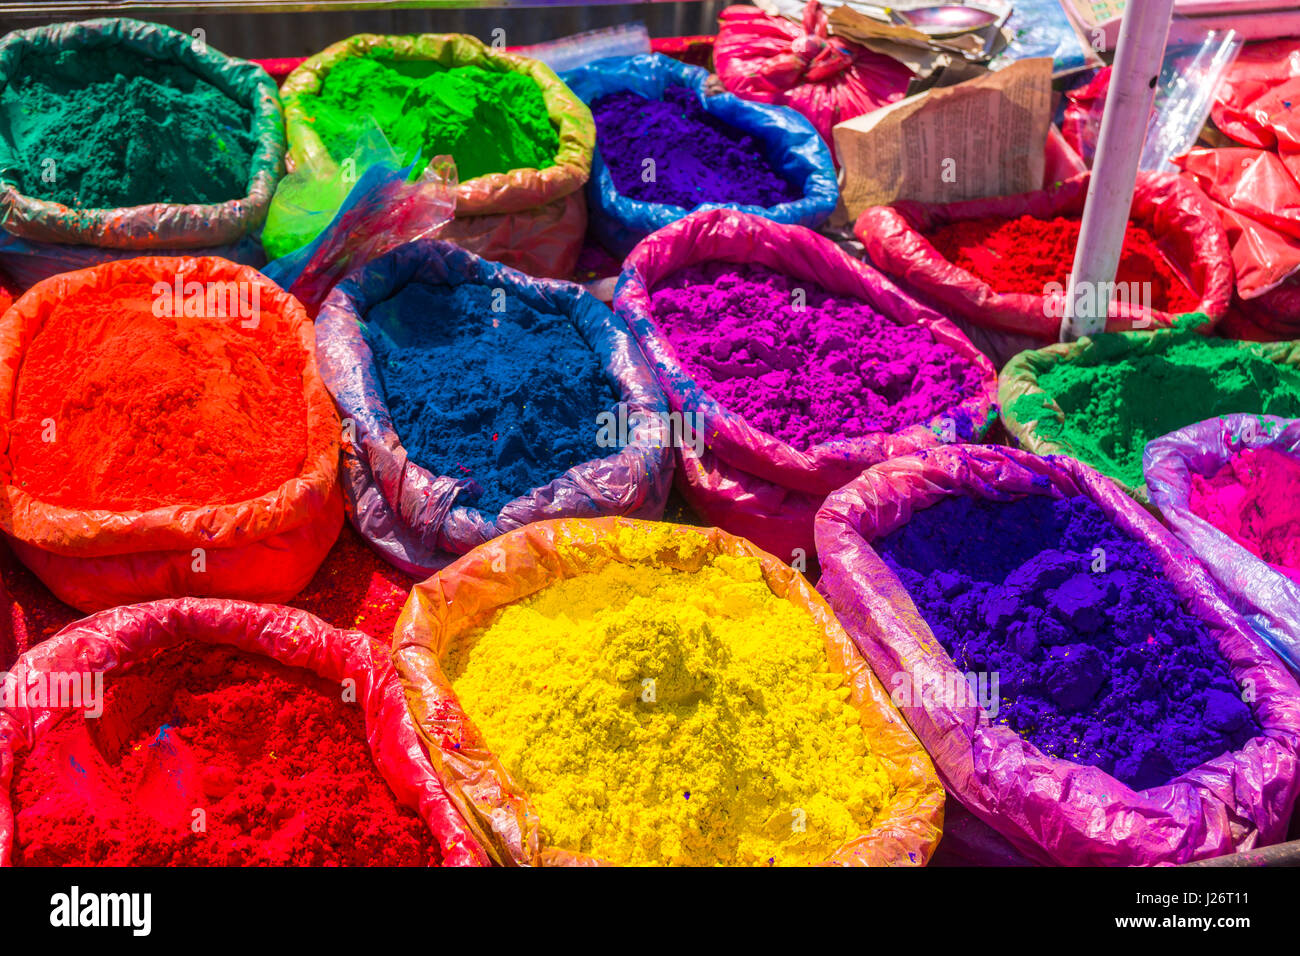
530	219
1055	810
746	481
411	516
157	226
522	563
795	150
1268	599
1180	217
111	640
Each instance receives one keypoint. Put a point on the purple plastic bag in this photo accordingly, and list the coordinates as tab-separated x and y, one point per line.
1270	601
410	515
1054	810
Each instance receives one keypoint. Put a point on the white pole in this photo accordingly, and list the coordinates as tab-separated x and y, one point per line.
1133	79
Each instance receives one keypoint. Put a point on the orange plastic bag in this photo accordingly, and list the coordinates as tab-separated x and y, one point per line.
262	549
112	640
462	598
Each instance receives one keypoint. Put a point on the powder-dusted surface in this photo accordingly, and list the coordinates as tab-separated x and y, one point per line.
748	724
508	399
1102	667
1026	254
98	129
489	122
806	372
150	411
1254	499
1113	408
276	760
697	157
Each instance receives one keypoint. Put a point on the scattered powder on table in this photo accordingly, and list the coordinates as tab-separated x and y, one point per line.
748	720
272	755
123	130
1026	254
1125	396
489	122
697	157
1103	668
1253	500
150	411
834	368
508	399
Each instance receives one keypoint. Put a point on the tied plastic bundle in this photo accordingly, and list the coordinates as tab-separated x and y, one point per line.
384	208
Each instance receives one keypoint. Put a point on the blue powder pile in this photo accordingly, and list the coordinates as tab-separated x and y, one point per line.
1104	668
506	398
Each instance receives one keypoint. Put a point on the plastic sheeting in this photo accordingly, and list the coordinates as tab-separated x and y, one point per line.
451	606
827	79
262	549
1020	377
1178	215
792	145
1054	810
1268	599
749	482
157	226
411	516
529	219
112	640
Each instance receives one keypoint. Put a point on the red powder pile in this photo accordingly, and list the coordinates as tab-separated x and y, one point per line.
150	411
274	758
1026	254
1255	500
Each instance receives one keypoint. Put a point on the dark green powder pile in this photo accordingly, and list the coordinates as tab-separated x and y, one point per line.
97	129
488	122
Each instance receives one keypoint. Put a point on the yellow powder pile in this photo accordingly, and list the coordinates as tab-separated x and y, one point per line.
656	716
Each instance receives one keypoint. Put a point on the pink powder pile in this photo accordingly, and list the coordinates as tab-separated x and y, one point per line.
832	369
1255	500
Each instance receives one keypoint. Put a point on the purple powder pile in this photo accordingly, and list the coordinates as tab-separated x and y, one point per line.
697	157
807	372
1104	668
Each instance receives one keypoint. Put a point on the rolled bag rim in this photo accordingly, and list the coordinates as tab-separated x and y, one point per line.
1001	777
518	190
621	221
91	533
1254	586
499	812
397	501
153	225
116	637
894	242
1019	379
712	236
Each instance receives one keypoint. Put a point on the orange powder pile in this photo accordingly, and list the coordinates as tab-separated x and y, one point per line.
120	409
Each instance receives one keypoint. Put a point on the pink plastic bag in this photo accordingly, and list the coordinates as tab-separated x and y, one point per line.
746	481
111	640
1054	810
827	79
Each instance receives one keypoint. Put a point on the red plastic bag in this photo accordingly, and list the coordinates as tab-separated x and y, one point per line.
1179	216
1054	810
112	640
746	481
827	79
263	549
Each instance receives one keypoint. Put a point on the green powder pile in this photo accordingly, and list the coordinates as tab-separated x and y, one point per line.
1123	398
489	122
97	129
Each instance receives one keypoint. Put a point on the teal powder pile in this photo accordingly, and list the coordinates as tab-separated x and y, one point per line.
1122	397
489	122
98	129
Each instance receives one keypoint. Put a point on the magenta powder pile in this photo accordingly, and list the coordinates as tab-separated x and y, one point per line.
1255	500
826	368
